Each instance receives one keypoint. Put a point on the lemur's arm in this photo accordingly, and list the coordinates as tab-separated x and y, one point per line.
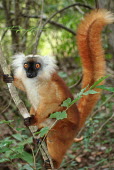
11	79
18	83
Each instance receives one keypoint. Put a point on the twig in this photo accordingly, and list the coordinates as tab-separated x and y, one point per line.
102	105
51	22
19	104
4	34
38	32
77	8
53	15
33	157
102	126
76	84
26	25
96	4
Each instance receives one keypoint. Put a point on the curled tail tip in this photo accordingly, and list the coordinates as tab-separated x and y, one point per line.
104	13
109	17
97	16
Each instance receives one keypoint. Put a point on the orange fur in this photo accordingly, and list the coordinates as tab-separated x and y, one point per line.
92	56
53	91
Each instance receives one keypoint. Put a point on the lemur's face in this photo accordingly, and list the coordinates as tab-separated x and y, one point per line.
32	68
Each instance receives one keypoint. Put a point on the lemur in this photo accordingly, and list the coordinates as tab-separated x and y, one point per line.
46	90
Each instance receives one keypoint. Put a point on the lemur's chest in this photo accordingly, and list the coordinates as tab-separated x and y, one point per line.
31	87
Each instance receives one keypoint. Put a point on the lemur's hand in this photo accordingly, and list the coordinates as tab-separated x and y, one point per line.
7	78
29	121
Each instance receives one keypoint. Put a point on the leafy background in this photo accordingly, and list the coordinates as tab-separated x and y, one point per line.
21	30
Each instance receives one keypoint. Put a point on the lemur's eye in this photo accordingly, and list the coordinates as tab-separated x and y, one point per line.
37	65
25	65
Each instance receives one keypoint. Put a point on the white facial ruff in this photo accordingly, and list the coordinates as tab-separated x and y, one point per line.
48	67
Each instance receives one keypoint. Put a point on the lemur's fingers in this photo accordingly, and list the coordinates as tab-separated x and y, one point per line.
7	78
29	121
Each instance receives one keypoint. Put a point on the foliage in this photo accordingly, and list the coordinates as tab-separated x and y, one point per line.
68	103
111	89
18	33
13	148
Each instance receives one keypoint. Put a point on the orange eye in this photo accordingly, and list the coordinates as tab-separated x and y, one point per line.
37	65
25	65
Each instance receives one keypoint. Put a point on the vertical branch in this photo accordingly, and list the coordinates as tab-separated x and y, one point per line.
13	23
15	33
39	30
12	89
26	25
22	109
51	17
96	4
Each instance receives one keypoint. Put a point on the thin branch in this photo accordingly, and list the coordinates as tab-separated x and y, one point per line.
51	22
9	23
26	25
102	126
53	15
4	33
104	103
77	8
38	32
96	4
77	83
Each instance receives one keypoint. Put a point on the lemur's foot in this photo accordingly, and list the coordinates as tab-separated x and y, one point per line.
37	141
7	78
29	121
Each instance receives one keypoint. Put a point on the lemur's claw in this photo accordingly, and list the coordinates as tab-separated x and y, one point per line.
7	78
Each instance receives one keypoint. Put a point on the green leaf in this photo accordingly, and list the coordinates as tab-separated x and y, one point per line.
111	89
62	74
98	81
17	136
27	167
14	155
3	160
66	103
18	149
79	95
2	150
20	129
90	92
44	131
4	121
9	153
26	141
26	157
6	142
59	115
